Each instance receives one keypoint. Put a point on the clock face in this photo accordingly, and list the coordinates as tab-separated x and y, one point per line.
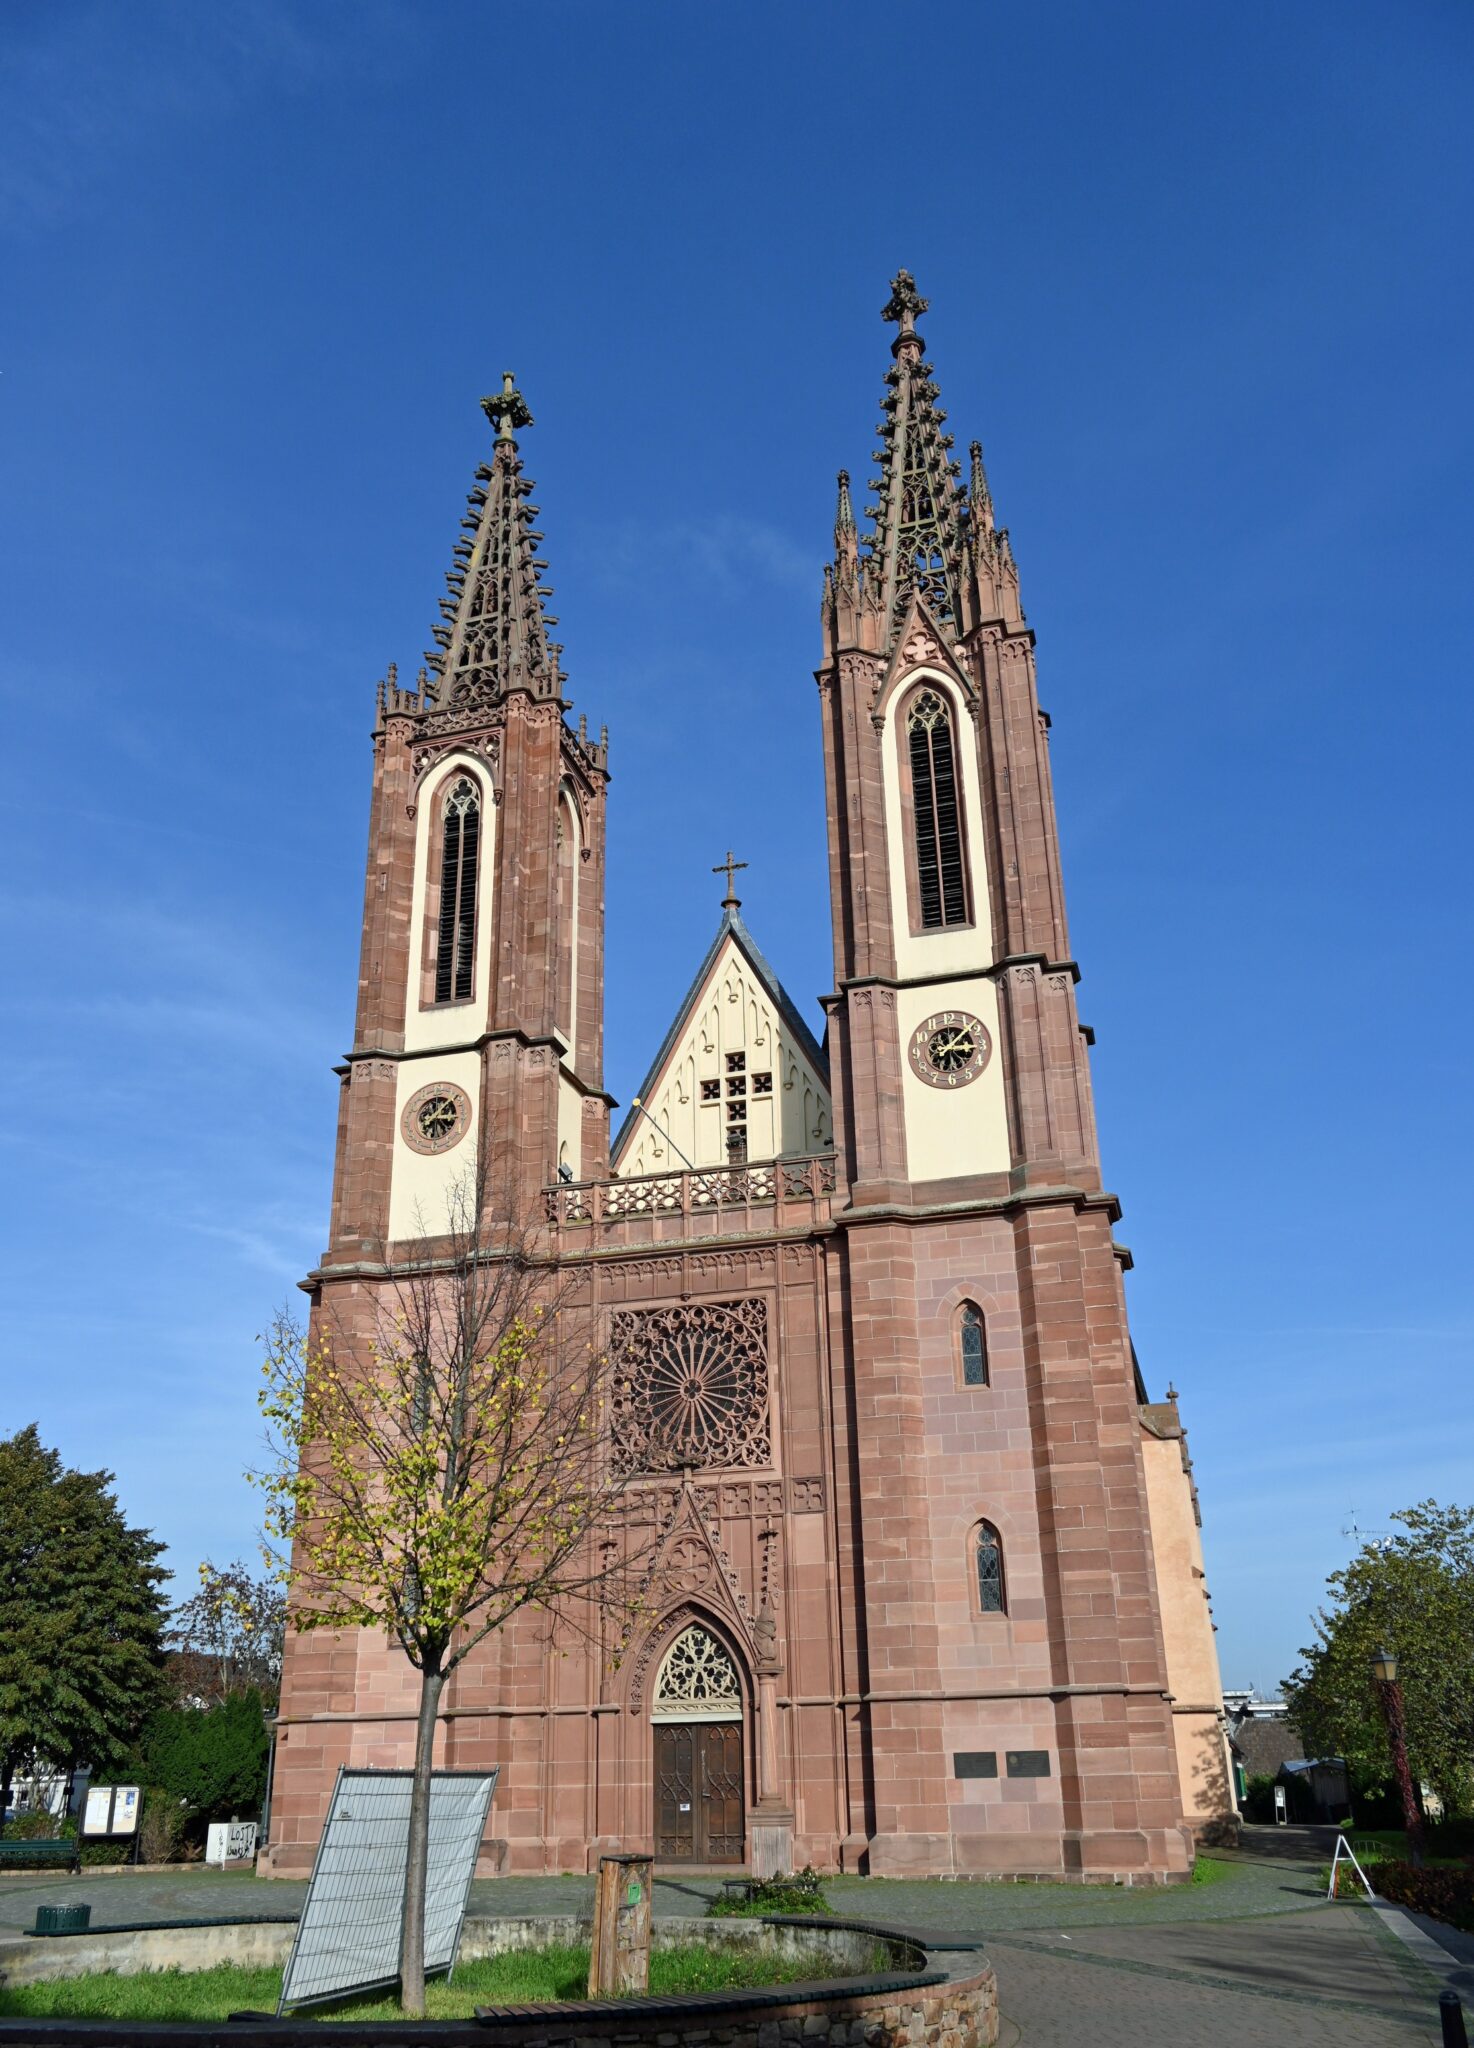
950	1049
435	1118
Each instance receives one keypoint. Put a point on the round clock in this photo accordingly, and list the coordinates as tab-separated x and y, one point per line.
435	1118
950	1049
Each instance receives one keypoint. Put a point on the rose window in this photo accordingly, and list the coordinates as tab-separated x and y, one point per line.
690	1386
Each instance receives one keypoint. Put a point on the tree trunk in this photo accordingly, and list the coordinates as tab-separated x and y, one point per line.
412	1934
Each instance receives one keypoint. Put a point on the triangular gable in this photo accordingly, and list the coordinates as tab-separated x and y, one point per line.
921	643
735	1024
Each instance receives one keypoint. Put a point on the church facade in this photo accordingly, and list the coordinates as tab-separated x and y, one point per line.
927	1593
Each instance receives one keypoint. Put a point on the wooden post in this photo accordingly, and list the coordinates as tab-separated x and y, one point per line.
619	1954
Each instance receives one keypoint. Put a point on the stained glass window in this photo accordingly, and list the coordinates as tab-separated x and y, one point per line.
974	1346
990	1570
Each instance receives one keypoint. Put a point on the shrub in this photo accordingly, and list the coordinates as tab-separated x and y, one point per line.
213	1759
99	1853
37	1827
1442	1893
803	1893
161	1827
1257	1803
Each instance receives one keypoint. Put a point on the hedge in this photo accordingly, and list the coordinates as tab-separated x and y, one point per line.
1443	1894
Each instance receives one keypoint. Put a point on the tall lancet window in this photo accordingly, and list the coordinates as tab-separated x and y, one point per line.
988	1556
937	812
455	951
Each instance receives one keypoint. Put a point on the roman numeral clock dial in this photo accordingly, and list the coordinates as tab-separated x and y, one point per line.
950	1049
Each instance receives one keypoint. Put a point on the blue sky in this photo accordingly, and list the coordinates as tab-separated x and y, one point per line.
1199	281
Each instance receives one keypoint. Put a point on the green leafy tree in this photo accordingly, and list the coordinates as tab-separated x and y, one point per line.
211	1759
1414	1595
446	1470
81	1616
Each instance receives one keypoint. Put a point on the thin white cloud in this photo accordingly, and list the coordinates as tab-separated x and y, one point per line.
97	82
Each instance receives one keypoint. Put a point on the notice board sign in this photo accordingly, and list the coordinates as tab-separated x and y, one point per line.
112	1810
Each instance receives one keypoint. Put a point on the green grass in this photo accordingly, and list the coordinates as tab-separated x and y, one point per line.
1210	1870
520	1977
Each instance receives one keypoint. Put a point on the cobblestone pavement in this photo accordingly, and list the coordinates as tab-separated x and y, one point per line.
1253	1886
1327	1978
1254	1960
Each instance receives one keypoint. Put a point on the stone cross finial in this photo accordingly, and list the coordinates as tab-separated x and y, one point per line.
507	409
729	867
904	303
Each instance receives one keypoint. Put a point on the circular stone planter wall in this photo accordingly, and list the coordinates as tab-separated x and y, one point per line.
942	1997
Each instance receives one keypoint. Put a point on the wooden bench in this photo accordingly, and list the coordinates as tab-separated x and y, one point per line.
40	1852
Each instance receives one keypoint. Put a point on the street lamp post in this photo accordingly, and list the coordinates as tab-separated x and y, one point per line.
1389	1692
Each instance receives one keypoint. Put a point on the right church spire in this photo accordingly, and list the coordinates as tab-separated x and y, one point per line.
934	538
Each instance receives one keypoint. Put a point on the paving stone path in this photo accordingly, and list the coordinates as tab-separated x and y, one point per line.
1254	1960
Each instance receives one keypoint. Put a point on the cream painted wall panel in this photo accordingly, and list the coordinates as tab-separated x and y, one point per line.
733	1013
937	952
420	1180
570	1127
453	1026
1187	1634
569	829
952	1131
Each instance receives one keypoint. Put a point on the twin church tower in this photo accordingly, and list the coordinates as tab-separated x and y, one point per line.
928	1593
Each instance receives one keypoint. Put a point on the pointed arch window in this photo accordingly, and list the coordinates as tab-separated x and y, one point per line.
455	947
698	1680
936	812
972	1343
988	1563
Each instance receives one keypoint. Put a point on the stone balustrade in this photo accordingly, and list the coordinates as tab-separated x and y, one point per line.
769	1195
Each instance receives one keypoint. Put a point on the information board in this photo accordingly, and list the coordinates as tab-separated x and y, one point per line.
111	1810
348	1936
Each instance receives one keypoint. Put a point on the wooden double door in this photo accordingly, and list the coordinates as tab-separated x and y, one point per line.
699	1807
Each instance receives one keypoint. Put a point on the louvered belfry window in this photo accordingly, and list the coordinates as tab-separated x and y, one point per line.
937	811
455	952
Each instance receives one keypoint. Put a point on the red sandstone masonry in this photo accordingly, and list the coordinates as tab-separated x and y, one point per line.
887	1666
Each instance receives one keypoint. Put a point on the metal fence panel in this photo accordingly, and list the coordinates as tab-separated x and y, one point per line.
348	1937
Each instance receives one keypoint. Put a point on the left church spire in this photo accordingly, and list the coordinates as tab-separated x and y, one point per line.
493	636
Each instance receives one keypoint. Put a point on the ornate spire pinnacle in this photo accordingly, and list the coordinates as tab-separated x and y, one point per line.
495	637
507	409
979	497
917	544
844	518
903	305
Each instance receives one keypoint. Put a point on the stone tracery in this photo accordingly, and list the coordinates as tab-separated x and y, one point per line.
698	1680
691	1386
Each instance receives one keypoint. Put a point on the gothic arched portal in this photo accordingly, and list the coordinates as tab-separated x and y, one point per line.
696	1713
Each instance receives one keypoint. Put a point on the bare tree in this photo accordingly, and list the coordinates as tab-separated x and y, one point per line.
228	1636
442	1472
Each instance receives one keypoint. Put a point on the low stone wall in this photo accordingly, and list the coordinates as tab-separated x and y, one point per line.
265	1944
40	1959
926	1998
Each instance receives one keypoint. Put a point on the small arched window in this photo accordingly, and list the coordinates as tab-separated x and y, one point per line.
973	1342
936	812
455	947
988	1556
